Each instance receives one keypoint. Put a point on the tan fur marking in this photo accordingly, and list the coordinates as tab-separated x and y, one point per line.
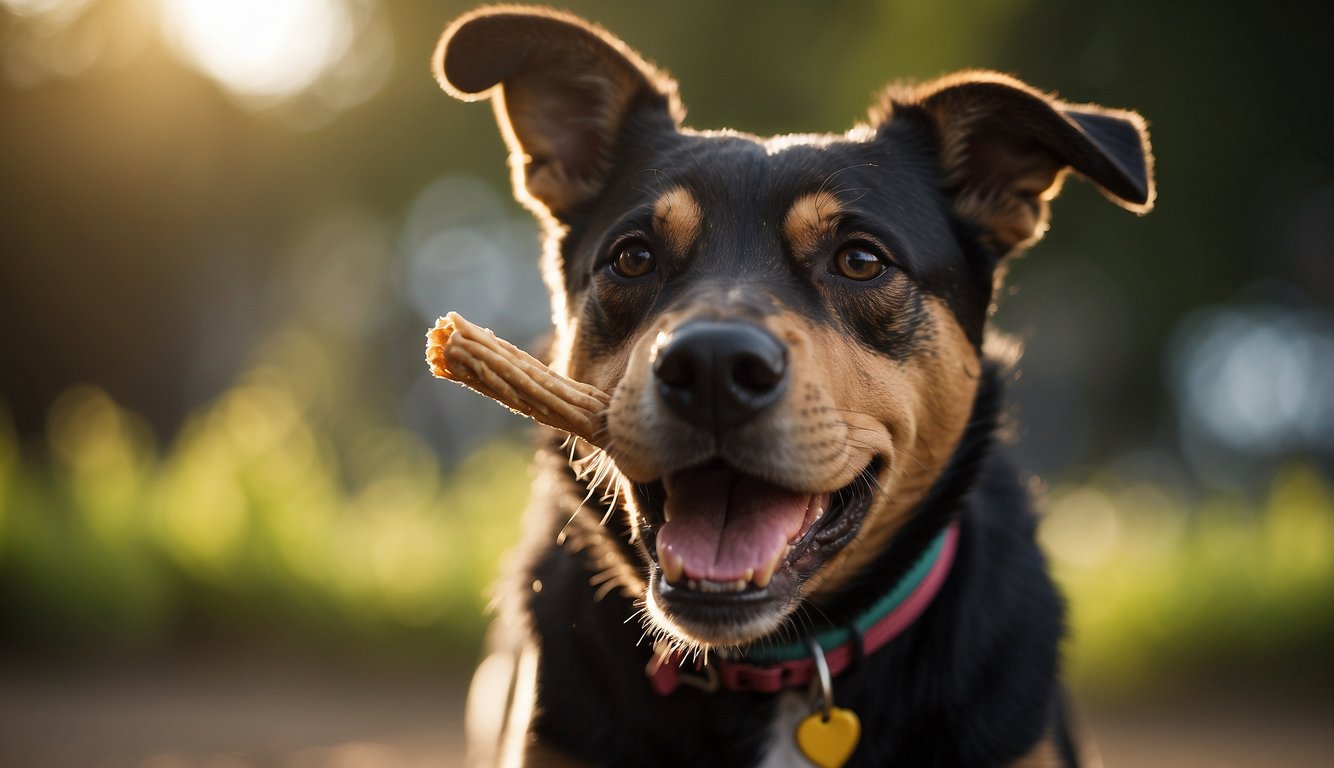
810	221
677	217
913	412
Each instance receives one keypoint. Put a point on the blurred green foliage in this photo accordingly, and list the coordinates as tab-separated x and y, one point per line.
1227	590
251	524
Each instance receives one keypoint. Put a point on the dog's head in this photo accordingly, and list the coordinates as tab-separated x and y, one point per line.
791	327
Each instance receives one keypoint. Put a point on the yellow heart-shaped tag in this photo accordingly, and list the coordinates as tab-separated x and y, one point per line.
829	743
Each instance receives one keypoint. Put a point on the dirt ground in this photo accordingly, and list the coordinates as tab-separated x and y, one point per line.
257	714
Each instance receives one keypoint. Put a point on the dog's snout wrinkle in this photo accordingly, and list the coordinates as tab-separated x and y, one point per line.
720	374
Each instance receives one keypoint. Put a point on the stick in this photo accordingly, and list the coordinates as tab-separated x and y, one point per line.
475	357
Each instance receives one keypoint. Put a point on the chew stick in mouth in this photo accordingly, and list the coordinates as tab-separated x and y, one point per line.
487	364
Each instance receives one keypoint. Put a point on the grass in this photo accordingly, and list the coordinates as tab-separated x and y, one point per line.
256	522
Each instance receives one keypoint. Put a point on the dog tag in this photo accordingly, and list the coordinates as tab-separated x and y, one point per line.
829	743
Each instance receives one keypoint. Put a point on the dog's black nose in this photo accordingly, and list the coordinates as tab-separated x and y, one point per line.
719	374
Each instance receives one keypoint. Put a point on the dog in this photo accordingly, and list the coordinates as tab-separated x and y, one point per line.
800	539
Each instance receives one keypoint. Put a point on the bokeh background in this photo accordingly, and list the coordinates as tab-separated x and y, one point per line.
240	526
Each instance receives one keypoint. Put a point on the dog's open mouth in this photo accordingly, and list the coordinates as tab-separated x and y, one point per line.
731	550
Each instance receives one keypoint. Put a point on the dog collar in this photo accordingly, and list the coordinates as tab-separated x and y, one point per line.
793	666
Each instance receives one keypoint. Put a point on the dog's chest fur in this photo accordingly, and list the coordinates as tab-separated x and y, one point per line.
790	709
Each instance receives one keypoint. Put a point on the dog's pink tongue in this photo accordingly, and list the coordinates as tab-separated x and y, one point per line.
723	525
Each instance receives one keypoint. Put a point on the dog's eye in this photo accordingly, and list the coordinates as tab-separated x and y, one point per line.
632	260
856	262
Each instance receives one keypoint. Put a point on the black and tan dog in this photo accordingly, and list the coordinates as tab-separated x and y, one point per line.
799	450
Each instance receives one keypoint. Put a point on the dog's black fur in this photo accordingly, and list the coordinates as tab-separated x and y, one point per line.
948	182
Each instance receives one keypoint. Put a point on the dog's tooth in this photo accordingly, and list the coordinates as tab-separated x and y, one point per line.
719	587
673	566
716	587
765	575
819	512
750	575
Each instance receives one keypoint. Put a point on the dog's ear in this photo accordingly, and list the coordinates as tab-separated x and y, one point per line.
1006	147
564	92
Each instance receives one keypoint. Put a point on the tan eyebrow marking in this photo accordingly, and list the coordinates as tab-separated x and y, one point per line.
812	219
677	217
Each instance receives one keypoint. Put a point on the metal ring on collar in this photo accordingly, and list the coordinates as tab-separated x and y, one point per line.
824	695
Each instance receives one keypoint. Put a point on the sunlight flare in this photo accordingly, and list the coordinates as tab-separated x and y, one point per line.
265	49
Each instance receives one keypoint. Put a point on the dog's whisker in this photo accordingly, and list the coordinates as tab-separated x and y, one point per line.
824	185
900	449
863	190
611	509
823	615
561	534
602	479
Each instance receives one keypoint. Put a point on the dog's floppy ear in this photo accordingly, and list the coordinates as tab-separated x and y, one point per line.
563	90
1006	147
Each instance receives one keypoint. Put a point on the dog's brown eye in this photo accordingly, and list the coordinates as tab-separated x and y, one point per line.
857	263
633	260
